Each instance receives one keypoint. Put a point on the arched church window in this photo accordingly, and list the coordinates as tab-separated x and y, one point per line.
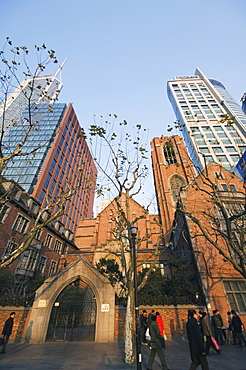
176	183
169	153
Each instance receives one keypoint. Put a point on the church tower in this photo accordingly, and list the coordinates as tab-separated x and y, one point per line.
172	169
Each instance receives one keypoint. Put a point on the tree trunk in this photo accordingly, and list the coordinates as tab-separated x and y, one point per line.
129	337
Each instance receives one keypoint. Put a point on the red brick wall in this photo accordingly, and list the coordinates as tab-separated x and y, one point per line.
20	322
174	317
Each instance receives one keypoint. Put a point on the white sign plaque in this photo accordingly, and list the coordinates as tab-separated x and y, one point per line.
105	307
42	303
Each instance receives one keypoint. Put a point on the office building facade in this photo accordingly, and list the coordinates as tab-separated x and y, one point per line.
202	107
36	90
62	160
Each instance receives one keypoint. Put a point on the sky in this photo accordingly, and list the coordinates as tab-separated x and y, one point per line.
121	53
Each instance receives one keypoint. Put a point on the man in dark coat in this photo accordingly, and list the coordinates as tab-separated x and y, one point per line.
155	344
143	326
152	313
237	327
7	331
196	344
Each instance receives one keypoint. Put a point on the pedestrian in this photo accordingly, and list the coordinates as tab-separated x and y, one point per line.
238	328
152	313
217	324
7	331
143	326
208	333
155	344
231	338
160	325
199	321
197	352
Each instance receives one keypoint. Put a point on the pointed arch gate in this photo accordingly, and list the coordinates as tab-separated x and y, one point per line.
73	316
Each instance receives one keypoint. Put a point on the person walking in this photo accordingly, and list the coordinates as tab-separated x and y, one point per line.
7	331
231	338
143	326
207	331
217	324
155	344
152	313
160	325
197	352
237	326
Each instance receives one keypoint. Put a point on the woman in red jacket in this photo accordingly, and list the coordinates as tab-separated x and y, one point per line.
160	325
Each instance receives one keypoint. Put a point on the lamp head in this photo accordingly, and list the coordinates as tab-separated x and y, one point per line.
133	231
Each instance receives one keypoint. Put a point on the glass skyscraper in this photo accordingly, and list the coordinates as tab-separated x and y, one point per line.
62	160
39	89
202	107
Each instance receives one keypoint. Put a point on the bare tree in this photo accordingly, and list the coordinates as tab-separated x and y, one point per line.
121	157
222	218
45	216
15	96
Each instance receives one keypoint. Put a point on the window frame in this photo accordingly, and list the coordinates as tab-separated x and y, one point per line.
20	224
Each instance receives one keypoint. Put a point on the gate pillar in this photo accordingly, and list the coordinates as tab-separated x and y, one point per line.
46	295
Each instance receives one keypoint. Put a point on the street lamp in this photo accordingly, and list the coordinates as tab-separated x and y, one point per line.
133	233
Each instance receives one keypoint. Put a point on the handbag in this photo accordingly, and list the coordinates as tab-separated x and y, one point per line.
1	341
147	335
215	344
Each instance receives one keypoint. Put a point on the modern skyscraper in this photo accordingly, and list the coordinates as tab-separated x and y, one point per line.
243	99
62	158
39	89
202	107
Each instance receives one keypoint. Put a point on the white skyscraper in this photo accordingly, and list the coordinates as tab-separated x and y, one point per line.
200	105
40	89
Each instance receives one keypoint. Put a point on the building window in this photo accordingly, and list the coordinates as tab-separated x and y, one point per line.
42	264
58	246
20	224
42	195
48	240
52	165
169	153
4	211
145	266
224	187
219	175
53	268
29	260
38	234
232	187
10	247
236	294
176	184
46	184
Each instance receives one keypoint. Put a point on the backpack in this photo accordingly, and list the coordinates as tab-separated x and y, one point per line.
217	322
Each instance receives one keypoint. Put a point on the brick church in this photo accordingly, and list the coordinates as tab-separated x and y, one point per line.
184	196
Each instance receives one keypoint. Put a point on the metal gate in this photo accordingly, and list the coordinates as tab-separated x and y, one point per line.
73	316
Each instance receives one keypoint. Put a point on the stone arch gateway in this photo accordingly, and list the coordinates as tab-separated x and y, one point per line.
79	270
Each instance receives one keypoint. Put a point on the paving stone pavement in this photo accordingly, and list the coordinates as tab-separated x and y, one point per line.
109	356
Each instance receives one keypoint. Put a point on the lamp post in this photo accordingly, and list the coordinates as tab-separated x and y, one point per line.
133	233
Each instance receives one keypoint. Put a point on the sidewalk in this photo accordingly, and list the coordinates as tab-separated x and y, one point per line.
109	356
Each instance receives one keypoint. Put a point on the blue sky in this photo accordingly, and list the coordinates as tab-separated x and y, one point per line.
121	53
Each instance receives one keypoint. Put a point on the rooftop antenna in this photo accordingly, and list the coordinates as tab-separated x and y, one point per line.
60	68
